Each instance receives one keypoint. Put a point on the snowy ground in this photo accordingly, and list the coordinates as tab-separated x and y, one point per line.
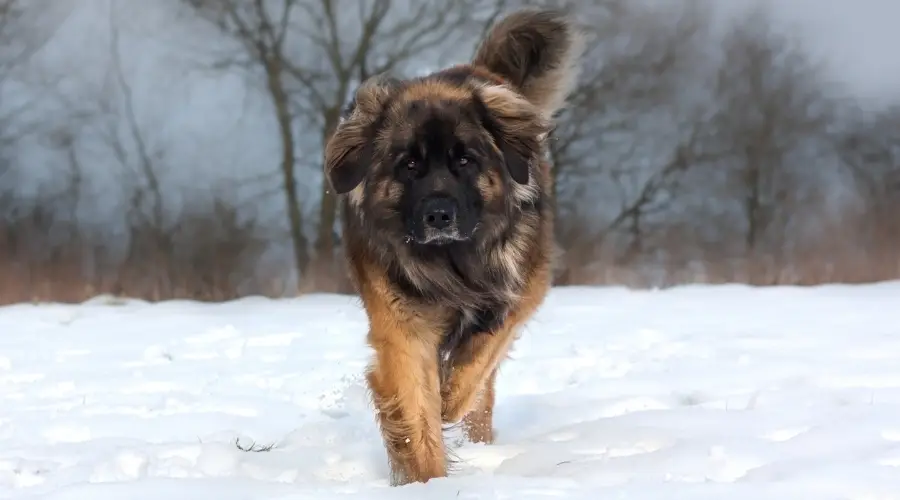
696	393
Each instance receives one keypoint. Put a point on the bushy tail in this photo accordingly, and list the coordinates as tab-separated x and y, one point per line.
538	52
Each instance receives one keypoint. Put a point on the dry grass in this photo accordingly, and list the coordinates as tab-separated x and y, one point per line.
211	256
864	249
801	270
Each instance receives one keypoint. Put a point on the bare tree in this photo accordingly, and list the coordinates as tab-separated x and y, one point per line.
311	54
631	131
772	100
143	168
25	27
110	124
870	148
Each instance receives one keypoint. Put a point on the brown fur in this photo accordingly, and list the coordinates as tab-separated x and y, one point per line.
442	317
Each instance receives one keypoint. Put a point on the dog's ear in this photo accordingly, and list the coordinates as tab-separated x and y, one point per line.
538	52
517	127
346	157
349	150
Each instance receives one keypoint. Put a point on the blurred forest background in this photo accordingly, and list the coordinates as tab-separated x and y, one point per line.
172	149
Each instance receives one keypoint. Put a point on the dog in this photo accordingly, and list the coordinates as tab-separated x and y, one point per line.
446	205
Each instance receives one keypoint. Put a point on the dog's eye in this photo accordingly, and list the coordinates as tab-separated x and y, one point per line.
412	164
465	161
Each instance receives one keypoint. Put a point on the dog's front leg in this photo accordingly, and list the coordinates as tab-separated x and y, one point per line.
405	387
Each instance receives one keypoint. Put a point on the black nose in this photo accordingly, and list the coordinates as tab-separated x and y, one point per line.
439	213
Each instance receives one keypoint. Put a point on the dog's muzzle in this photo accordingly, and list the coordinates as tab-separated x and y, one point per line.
438	221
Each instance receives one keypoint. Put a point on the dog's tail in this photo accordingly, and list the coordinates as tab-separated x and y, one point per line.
537	52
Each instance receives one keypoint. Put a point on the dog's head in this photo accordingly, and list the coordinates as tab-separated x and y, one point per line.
442	158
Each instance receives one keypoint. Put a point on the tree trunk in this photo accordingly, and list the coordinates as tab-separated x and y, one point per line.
636	244
325	247
295	215
752	206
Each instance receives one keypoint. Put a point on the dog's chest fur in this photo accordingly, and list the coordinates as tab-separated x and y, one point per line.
467	323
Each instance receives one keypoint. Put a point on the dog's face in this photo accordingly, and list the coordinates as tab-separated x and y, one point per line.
432	161
442	164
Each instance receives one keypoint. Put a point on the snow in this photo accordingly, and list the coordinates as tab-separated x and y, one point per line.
697	392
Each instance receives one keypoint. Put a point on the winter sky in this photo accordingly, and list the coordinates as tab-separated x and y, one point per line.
858	39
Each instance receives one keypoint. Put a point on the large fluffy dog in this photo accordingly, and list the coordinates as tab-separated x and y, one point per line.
446	199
